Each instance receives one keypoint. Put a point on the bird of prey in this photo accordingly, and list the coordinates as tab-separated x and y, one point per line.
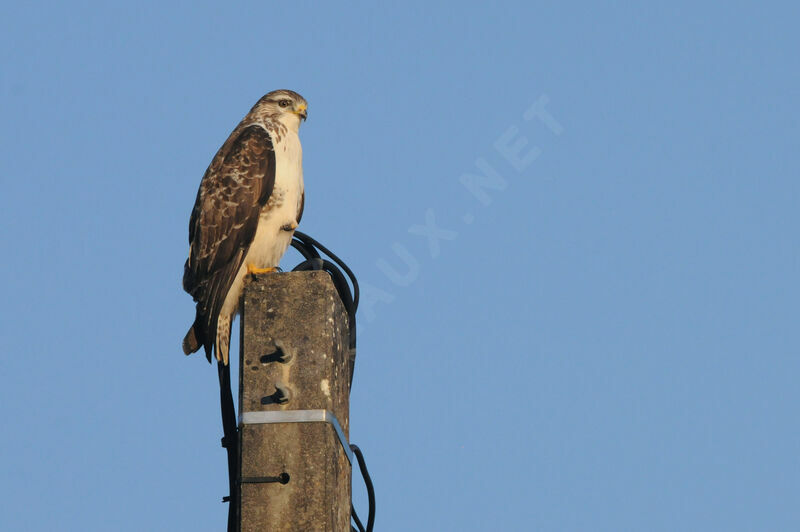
249	203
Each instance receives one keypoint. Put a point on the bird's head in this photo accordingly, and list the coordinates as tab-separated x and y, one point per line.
284	106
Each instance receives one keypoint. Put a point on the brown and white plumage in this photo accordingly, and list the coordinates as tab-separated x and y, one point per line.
249	202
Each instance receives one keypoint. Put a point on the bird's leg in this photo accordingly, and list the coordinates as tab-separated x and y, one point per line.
289	227
252	270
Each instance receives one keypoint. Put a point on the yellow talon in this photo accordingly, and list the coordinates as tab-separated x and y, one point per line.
252	270
289	227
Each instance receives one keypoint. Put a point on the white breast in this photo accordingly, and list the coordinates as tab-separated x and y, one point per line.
271	242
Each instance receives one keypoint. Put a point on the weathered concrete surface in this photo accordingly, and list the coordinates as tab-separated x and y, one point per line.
301	312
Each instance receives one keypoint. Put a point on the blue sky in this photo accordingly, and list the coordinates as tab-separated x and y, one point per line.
606	339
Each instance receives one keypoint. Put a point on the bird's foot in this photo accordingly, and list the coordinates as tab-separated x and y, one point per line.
252	270
289	227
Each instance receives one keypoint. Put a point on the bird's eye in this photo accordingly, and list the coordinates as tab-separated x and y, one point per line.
285	103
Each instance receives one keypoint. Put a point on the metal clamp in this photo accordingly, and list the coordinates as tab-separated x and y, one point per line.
298	416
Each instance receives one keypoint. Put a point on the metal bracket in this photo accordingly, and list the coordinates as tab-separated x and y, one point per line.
298	416
283	478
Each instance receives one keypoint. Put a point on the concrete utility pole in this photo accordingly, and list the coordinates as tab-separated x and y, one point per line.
294	476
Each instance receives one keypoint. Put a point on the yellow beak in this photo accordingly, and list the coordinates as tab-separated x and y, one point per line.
300	110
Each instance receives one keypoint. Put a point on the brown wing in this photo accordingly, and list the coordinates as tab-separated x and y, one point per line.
237	184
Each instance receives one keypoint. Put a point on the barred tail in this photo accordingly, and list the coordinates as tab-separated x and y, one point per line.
223	339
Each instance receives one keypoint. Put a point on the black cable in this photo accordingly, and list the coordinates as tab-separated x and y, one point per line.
309	242
362	465
354	515
230	441
309	248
